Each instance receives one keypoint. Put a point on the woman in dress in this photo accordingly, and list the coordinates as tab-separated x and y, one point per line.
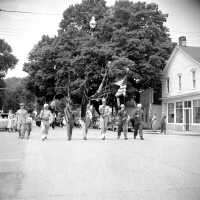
10	125
46	119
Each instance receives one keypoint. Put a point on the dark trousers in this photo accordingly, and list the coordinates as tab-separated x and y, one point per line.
69	131
122	126
138	127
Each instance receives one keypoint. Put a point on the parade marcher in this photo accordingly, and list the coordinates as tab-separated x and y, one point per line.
28	124
21	120
88	119
10	125
104	118
163	125
46	119
123	122
69	118
138	122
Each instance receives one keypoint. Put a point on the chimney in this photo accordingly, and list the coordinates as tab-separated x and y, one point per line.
182	41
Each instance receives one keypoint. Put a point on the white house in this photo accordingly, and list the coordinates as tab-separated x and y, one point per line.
181	88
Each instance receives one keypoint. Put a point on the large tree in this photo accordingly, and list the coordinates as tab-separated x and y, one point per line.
131	35
15	93
7	61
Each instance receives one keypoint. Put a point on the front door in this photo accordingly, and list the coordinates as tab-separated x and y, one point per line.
187	119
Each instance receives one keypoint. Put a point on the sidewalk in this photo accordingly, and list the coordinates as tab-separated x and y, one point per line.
173	132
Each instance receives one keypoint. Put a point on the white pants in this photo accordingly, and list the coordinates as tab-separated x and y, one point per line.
45	128
103	126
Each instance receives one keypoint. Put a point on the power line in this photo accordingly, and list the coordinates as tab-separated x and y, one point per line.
27	12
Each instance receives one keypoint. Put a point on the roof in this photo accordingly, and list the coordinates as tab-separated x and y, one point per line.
194	52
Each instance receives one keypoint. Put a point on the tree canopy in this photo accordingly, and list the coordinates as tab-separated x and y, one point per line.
130	35
7	59
15	93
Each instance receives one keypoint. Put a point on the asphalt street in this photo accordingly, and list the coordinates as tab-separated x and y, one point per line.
162	167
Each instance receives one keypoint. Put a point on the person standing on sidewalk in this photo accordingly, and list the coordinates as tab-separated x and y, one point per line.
104	118
153	123
123	122
163	125
46	119
21	115
138	122
10	125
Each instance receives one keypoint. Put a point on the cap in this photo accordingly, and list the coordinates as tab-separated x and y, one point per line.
46	105
139	105
103	99
21	104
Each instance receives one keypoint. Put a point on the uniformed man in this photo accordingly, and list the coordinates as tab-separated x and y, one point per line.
21	115
123	122
138	122
104	118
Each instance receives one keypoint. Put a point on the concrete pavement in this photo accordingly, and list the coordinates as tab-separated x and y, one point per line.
160	167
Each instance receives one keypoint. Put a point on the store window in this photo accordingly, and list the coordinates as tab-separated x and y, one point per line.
179	112
196	111
170	113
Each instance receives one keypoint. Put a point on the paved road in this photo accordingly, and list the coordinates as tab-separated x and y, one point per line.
158	168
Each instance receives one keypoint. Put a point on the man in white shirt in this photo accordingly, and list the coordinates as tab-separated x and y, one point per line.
22	115
104	118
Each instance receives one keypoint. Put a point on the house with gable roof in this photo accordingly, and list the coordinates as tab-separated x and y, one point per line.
181	88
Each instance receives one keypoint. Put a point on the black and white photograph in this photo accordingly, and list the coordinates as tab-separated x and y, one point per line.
100	100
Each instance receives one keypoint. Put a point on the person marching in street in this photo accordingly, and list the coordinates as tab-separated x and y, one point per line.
104	117
21	120
69	118
46	119
28	124
88	120
123	122
138	122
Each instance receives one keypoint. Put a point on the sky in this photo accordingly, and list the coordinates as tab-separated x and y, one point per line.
23	31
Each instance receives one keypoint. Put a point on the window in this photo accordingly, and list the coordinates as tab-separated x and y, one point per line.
179	112
196	111
170	113
194	79
187	104
168	85
179	82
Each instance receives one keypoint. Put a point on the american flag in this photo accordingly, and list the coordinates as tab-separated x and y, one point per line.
122	87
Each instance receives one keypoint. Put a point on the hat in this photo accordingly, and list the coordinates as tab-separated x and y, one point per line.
46	105
103	99
21	104
139	105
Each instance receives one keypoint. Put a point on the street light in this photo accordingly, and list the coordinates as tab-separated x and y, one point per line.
92	24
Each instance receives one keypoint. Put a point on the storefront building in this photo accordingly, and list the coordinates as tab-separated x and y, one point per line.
181	89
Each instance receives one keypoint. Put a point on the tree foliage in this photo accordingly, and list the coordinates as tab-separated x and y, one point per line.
7	59
15	93
130	35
